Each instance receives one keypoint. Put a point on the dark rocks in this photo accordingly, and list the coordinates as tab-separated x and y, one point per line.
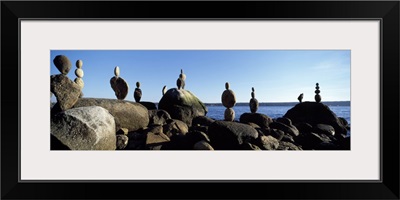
120	87
88	128
284	120
182	105
315	113
304	127
292	130
159	117
226	135
130	115
268	142
228	97
62	63
66	91
196	136
202	121
148	105
260	119
288	146
175	127
122	141
324	129
156	138
137	94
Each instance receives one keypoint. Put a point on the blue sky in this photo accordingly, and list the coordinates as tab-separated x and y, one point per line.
276	75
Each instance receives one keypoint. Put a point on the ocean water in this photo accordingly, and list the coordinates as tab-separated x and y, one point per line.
217	112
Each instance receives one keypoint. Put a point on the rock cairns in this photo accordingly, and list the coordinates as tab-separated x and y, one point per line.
79	74
228	99
119	85
317	91
253	102
64	89
138	92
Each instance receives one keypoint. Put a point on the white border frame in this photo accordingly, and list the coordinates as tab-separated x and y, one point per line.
360	36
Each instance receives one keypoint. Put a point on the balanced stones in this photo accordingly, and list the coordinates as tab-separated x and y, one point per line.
182	76
253	102
138	92
119	85
62	63
300	98
79	74
317	91
228	99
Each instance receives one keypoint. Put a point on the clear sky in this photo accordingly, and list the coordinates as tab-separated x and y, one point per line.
276	75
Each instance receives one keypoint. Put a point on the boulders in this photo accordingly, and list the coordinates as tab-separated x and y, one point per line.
226	135
324	129
130	115
202	121
88	128
268	142
182	105
260	119
122	131
156	138
288	146
122	141
158	117
292	130
315	113
175	127
62	63
66	91
196	136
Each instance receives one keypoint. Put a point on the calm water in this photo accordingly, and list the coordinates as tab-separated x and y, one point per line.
217	112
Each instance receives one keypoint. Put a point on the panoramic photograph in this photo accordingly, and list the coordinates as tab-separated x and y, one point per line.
184	100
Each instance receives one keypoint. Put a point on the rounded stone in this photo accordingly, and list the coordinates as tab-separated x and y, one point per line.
138	84
62	63
116	71
80	82
79	64
120	87
228	98
227	85
79	73
317	98
253	105
180	83
229	114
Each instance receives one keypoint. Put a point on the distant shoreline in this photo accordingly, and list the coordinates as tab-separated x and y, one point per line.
328	103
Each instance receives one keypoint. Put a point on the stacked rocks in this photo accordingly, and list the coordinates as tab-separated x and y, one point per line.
138	92
79	74
119	85
317	96
180	83
66	91
253	102
228	99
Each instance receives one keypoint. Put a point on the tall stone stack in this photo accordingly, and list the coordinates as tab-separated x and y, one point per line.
79	74
228	99
253	102
317	96
66	91
119	85
138	92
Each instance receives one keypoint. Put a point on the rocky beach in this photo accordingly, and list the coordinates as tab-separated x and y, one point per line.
179	121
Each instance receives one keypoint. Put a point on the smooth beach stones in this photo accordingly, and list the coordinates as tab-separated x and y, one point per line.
182	76
229	114
180	83
79	64
253	102
62	63
317	91
228	97
164	90
119	85
79	74
138	92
